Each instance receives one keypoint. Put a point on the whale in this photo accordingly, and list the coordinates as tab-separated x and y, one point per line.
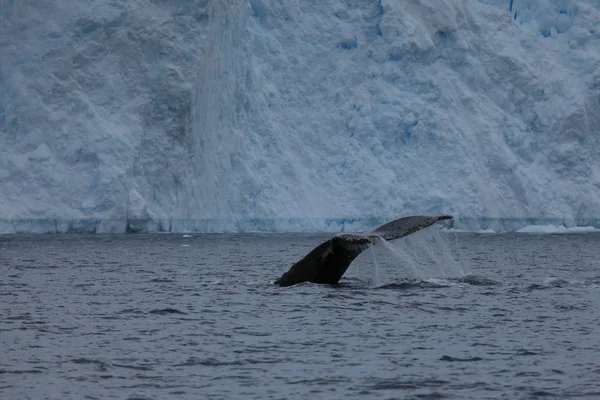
327	263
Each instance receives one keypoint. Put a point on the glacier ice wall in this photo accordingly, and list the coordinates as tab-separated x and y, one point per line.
218	115
95	120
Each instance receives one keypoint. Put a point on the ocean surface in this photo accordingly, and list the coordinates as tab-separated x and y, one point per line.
169	316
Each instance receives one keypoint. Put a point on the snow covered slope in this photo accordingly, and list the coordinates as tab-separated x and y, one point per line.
219	115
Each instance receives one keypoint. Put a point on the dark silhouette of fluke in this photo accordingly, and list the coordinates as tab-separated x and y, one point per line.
327	262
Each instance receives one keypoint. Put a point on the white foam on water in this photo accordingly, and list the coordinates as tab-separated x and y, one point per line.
554	229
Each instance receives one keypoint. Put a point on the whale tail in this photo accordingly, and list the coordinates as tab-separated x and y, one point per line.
405	226
327	262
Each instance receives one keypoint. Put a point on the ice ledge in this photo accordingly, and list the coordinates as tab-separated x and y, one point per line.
213	225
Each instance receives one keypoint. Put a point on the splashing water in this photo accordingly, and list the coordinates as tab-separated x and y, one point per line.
377	280
422	256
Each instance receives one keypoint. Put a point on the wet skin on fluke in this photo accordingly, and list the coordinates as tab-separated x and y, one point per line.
327	262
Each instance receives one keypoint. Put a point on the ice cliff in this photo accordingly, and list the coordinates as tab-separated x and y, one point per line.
221	115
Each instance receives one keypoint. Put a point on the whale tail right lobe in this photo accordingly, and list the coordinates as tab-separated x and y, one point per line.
405	226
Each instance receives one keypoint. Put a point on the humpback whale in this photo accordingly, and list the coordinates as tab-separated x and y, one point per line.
327	262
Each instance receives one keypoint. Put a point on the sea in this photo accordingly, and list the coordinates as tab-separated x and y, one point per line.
437	315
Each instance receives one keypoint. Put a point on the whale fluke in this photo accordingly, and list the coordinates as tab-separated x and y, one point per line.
327	262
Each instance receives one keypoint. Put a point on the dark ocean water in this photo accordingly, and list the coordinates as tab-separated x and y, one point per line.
164	316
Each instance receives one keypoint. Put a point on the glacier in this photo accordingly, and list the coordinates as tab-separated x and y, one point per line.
236	115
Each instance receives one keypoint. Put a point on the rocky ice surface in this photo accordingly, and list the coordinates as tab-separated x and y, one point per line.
232	115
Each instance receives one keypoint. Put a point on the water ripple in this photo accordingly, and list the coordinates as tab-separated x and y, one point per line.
135	316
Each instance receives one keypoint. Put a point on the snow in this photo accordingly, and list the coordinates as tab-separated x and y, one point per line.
228	115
